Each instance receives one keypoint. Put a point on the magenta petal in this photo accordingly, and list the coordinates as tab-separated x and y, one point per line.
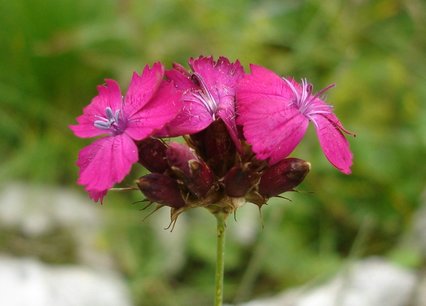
275	113
263	82
262	95
270	123
106	162
333	143
85	128
142	88
97	195
221	77
228	117
109	95
161	109
207	94
193	118
273	129
180	77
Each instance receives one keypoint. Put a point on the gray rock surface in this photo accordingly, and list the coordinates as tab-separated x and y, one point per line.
416	237
28	282
35	210
371	282
415	241
29	215
419	298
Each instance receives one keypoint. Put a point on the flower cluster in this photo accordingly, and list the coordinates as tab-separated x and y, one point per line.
238	130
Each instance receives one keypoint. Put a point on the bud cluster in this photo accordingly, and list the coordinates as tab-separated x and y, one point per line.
208	171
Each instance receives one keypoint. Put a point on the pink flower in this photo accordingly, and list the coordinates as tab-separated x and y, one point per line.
208	94
149	104
275	113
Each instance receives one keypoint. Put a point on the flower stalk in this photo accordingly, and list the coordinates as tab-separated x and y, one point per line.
220	257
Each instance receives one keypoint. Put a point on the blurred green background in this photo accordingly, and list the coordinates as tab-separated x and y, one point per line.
54	53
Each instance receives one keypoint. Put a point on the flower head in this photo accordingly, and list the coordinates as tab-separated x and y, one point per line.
208	93
149	104
275	113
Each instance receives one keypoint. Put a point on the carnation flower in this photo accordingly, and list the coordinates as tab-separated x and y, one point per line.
208	93
275	113
149	104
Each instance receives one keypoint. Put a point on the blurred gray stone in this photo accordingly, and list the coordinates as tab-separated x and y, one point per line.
371	282
25	282
35	210
419	297
415	241
416	238
171	240
249	222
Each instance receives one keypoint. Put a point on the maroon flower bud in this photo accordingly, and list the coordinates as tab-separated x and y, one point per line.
237	182
161	189
152	155
192	171
216	147
283	176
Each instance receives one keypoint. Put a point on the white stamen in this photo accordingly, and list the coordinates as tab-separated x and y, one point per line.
305	100
109	113
103	125
205	97
293	89
111	119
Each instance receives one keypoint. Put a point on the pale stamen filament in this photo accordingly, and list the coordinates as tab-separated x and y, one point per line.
321	92
205	96
304	100
293	89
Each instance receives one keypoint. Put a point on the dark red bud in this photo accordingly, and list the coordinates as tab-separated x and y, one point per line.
216	147
237	182
178	155
152	155
161	189
194	173
283	176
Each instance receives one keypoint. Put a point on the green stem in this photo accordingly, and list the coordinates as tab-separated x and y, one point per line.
220	257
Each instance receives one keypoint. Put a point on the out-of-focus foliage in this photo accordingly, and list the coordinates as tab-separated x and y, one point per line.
54	53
